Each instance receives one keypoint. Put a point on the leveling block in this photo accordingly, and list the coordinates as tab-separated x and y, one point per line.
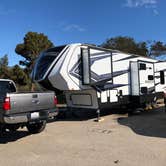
99	120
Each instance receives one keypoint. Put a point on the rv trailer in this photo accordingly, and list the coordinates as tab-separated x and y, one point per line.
93	78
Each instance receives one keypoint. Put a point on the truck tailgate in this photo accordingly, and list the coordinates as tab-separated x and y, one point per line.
29	102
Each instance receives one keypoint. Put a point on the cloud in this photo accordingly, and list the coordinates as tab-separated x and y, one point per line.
5	11
148	4
155	12
140	3
72	27
67	27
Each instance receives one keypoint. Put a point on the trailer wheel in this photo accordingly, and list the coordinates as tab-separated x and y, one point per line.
36	127
61	115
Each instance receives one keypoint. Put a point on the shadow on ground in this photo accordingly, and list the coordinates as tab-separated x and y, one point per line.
12	136
83	115
151	123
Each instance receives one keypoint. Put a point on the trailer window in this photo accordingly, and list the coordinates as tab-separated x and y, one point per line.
45	60
162	77
144	90
150	77
142	66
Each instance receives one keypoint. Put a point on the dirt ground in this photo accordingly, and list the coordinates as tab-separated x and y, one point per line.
118	140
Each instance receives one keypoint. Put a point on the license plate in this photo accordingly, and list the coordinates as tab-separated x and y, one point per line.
34	115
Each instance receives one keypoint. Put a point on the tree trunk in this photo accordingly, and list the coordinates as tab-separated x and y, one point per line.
32	87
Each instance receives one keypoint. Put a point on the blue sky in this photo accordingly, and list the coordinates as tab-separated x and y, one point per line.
87	21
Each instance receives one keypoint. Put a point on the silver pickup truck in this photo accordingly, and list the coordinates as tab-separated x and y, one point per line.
25	109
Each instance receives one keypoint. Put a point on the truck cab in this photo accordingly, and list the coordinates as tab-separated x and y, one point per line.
6	86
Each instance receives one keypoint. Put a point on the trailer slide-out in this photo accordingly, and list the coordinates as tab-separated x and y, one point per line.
92	77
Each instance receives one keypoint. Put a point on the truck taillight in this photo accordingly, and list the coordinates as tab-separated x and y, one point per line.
6	104
55	100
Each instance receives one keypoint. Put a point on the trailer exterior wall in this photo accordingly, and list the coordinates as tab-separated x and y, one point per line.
114	79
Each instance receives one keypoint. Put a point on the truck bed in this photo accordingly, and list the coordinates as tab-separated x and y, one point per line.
30	102
30	109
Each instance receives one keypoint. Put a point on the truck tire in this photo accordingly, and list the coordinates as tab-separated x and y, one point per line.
165	104
2	130
13	128
36	127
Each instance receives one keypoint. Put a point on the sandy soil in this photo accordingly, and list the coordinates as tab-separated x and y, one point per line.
118	140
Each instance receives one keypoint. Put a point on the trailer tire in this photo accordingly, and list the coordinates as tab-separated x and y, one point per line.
36	127
136	111
61	115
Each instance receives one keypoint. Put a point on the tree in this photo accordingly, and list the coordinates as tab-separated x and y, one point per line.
30	49
19	76
4	69
4	60
126	44
157	48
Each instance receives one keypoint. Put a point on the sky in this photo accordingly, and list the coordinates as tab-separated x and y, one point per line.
79	21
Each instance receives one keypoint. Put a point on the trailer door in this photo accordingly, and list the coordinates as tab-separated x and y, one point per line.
142	78
160	76
146	77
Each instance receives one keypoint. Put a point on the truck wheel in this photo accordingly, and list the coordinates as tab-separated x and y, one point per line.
165	104
2	130
13	128
36	127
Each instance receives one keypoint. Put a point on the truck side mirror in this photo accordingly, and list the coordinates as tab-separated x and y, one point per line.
85	57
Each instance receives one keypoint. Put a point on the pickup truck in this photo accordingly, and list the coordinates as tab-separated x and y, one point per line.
25	109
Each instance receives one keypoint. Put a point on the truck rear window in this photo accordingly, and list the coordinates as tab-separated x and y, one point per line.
45	60
7	87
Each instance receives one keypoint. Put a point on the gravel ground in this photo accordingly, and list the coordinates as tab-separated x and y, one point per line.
118	140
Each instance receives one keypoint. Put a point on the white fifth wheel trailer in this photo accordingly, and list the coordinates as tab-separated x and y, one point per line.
92	77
